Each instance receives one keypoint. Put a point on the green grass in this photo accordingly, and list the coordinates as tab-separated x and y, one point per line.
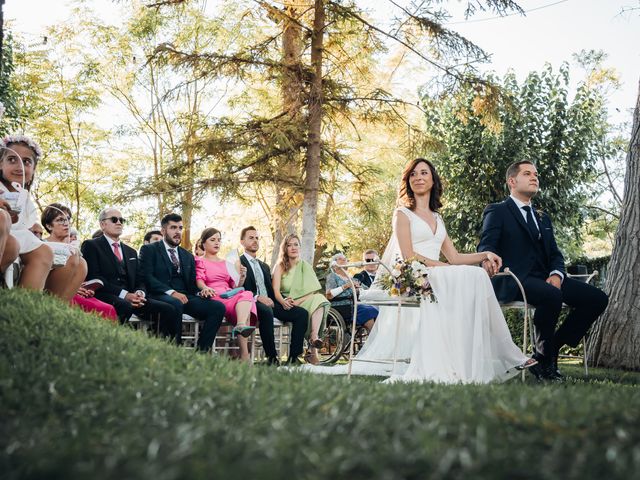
80	398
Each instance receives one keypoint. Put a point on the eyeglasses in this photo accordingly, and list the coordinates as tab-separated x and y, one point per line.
62	221
369	260
116	220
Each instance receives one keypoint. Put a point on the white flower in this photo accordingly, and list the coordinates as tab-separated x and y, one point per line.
395	272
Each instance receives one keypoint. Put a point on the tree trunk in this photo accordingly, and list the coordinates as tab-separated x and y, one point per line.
615	338
289	165
314	147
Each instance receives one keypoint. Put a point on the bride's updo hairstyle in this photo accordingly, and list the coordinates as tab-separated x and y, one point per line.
283	257
406	197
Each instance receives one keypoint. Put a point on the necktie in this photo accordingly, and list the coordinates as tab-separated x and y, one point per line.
116	251
174	259
533	229
257	272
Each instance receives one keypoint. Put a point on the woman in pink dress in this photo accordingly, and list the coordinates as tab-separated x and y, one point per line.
56	219
213	279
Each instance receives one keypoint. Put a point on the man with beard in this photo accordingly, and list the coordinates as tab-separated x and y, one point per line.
169	273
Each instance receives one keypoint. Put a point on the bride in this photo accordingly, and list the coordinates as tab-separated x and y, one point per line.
463	336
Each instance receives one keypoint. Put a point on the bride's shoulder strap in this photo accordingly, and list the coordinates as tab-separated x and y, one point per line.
404	210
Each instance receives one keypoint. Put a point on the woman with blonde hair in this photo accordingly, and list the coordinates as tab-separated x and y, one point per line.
295	284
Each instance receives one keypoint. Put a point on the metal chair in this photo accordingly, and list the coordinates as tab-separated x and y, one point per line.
282	336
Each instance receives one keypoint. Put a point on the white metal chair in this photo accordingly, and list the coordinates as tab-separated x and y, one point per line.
282	334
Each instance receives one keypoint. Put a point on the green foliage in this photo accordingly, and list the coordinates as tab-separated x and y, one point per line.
536	121
82	398
8	94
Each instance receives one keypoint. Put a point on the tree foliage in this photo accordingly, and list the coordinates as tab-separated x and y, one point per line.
536	120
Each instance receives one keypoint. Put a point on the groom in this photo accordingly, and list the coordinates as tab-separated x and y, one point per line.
524	239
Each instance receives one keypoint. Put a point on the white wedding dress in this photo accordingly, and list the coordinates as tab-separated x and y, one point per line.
461	338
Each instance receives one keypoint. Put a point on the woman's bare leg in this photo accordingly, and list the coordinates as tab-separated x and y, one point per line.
36	267
64	281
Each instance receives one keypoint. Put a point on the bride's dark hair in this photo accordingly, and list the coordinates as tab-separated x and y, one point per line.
406	196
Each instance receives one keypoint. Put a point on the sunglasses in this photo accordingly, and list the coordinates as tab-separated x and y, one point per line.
369	260
116	220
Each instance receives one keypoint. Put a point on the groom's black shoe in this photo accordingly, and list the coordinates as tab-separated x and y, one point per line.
545	370
556	370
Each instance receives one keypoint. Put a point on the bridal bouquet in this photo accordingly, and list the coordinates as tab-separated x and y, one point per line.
410	279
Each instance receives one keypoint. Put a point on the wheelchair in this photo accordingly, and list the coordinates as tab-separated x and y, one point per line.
337	335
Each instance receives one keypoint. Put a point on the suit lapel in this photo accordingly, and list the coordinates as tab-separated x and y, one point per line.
250	281
106	247
516	213
164	256
127	253
544	233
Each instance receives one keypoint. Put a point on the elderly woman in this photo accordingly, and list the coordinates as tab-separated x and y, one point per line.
339	291
56	219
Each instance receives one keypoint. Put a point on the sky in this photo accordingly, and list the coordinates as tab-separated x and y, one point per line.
551	31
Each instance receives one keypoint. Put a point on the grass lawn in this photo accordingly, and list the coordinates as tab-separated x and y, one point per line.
80	398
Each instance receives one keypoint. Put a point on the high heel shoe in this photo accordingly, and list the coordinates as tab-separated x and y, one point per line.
529	363
242	330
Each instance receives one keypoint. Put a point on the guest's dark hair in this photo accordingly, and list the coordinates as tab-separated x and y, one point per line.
283	257
51	212
244	231
171	217
151	233
407	198
514	169
206	234
97	234
6	150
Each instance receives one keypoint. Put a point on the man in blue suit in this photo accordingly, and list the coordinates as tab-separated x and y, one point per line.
169	273
524	238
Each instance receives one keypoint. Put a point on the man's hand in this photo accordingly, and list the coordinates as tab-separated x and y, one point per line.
265	301
135	299
555	280
180	296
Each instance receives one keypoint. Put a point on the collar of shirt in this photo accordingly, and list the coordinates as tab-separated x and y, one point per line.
249	257
167	247
112	241
520	203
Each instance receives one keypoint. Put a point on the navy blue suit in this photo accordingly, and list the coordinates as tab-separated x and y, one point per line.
160	276
505	233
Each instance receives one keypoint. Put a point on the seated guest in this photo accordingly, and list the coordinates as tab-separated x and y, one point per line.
56	219
9	248
259	282
73	236
338	290
169	272
115	264
96	234
368	275
295	285
213	279
18	161
152	236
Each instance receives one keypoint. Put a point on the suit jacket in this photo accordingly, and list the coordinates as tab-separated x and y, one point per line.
505	233
364	278
250	282
103	265
157	268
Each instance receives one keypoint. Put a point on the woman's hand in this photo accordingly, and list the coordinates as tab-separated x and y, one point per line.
288	303
207	292
85	292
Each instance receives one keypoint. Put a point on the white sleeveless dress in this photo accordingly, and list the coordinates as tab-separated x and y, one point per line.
463	337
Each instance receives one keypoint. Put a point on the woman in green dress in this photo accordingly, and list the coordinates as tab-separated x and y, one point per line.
295	284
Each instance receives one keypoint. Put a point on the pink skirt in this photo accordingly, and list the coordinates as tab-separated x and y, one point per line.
93	305
230	306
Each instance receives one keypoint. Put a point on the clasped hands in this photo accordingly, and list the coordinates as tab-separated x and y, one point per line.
137	299
492	264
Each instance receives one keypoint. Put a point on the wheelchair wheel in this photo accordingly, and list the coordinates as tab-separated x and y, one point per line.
334	337
361	337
